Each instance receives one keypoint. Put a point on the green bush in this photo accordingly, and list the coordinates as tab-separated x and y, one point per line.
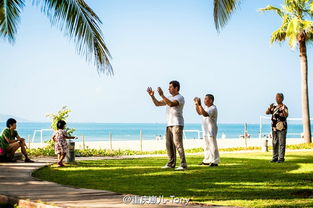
49	151
60	115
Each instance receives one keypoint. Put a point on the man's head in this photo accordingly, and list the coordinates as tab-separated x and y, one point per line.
174	87
11	123
208	100
279	98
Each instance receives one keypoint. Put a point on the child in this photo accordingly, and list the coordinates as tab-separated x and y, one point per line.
60	145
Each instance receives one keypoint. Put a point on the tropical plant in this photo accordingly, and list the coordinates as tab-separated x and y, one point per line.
74	17
222	11
297	27
60	115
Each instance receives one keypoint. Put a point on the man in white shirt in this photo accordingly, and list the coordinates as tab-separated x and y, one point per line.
209	128
175	123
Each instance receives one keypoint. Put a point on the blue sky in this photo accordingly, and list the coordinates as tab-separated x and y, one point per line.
152	42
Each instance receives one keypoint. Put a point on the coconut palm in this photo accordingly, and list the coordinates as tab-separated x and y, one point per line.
74	17
297	28
223	10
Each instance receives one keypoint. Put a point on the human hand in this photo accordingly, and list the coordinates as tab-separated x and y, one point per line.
150	91
160	91
196	100
270	108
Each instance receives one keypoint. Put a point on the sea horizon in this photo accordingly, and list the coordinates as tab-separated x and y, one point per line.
94	131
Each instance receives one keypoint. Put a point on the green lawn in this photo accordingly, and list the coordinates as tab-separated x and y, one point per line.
242	179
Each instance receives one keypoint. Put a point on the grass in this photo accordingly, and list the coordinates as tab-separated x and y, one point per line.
245	179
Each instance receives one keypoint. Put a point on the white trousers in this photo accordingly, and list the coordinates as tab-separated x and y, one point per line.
211	154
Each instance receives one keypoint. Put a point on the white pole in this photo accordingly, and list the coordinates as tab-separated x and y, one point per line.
83	142
260	134
34	134
28	142
140	140
110	136
246	133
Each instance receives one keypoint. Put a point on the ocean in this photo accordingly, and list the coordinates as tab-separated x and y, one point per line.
150	131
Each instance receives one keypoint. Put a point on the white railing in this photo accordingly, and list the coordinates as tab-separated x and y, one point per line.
269	118
41	134
192	131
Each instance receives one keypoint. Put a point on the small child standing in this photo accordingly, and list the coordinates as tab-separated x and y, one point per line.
60	145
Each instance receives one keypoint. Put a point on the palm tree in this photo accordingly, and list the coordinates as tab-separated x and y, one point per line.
295	27
74	17
223	10
298	29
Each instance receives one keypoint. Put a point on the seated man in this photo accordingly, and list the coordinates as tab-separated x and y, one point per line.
10	141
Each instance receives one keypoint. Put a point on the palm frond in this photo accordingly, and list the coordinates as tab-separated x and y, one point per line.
10	11
278	36
293	31
80	23
272	8
309	35
294	24
223	10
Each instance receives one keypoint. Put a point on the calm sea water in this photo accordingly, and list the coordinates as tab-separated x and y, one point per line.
131	131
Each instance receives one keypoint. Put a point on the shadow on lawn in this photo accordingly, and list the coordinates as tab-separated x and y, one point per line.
235	179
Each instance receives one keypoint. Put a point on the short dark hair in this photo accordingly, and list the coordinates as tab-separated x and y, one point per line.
175	84
10	122
61	124
281	95
210	96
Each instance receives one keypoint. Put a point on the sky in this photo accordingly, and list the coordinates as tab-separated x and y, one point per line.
152	43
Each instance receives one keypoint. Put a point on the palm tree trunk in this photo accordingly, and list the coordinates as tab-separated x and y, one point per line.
305	90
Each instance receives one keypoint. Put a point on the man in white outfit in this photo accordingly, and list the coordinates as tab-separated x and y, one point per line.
209	128
175	123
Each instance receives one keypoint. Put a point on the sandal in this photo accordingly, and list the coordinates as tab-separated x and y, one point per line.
60	164
27	160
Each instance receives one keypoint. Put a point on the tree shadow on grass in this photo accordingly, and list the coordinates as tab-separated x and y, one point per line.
235	179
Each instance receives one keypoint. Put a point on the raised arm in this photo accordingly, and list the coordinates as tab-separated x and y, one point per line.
69	137
154	100
197	109
166	100
269	110
285	111
66	136
200	109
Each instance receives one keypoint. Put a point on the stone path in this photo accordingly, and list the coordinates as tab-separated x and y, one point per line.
18	186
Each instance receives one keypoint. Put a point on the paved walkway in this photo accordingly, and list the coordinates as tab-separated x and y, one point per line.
17	185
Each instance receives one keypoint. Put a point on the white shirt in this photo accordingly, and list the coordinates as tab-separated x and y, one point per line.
174	115
209	123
